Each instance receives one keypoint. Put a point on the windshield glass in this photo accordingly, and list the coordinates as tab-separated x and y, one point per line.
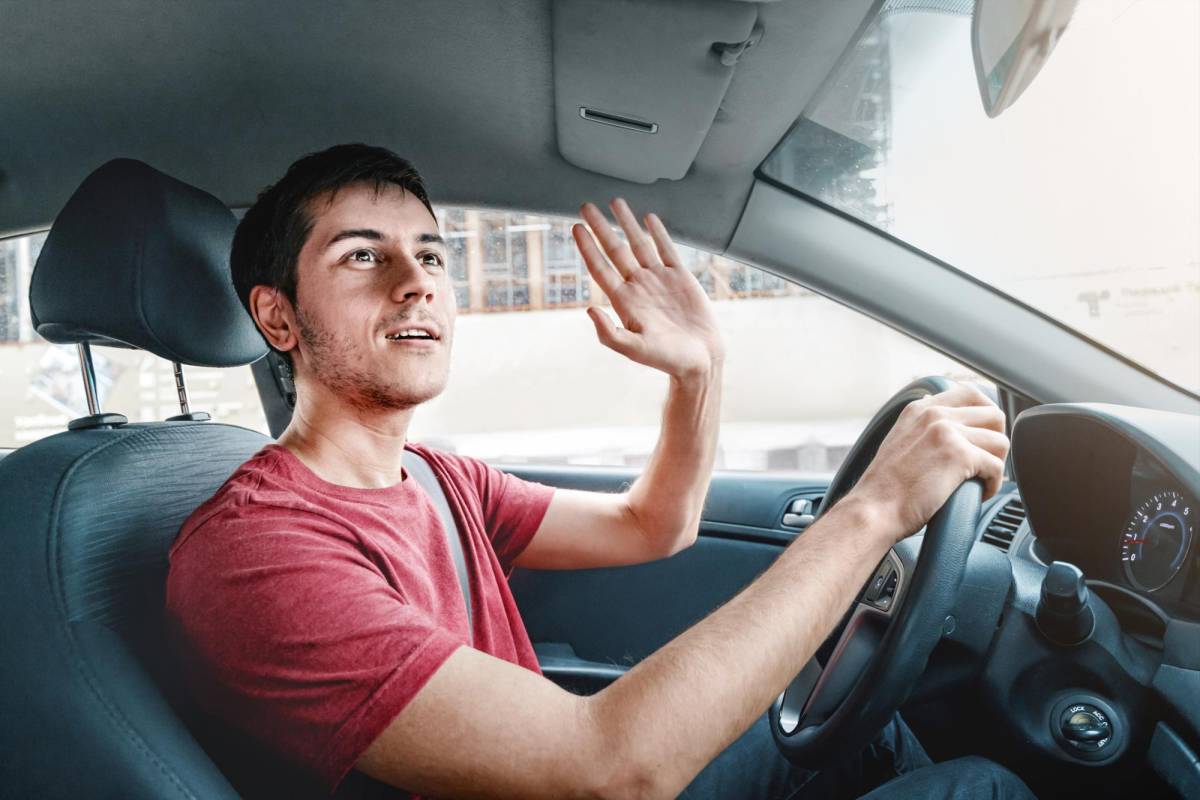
1082	199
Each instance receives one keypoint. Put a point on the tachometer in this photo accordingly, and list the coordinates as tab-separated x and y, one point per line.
1155	542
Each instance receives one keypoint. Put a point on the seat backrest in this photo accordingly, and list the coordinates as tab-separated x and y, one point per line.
88	706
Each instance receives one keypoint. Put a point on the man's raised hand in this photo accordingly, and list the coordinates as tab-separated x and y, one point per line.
668	323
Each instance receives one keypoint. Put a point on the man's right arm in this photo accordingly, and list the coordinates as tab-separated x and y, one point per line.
482	727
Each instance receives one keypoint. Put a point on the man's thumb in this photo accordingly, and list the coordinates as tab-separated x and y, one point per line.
610	335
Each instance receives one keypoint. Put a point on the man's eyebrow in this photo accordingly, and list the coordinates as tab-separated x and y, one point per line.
356	233
376	236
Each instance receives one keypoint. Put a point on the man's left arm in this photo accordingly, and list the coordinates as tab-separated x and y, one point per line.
668	325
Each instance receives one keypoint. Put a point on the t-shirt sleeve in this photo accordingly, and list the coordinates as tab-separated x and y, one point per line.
294	636
513	507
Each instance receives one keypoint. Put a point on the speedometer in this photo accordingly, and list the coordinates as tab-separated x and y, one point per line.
1155	542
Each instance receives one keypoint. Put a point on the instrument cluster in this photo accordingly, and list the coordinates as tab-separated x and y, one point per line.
1157	540
1116	492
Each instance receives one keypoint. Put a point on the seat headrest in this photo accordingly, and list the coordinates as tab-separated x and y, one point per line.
139	259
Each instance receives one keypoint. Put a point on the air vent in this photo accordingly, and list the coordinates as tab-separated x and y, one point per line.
1003	526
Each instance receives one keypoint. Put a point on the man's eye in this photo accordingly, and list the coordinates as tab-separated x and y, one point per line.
433	260
363	257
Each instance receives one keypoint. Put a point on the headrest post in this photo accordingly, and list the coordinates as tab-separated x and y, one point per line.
180	388
95	419
185	413
89	377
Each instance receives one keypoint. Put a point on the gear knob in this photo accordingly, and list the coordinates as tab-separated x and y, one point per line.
1063	614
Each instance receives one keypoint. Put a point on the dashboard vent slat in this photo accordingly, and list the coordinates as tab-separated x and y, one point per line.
1005	523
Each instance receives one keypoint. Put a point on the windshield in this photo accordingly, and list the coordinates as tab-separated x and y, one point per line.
1082	199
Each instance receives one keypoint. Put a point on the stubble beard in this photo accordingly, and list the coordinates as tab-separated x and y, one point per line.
331	362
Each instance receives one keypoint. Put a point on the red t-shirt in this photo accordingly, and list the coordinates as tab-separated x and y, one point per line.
309	614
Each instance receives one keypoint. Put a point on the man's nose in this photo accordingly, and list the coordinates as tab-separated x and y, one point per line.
413	282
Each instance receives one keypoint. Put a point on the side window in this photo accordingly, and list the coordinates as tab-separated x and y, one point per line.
530	383
40	384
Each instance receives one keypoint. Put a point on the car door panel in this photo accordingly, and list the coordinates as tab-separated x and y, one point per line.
588	626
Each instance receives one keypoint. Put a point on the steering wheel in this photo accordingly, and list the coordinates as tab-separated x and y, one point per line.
838	703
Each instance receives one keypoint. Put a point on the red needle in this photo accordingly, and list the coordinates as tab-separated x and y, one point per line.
1137	541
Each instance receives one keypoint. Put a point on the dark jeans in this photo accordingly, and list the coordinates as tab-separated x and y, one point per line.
893	765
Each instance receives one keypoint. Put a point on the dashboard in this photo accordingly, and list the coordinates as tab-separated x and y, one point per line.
1116	491
1113	491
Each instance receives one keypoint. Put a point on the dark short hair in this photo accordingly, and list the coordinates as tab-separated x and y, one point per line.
270	236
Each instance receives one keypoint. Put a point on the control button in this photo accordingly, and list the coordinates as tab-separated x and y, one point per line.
1086	728
881	589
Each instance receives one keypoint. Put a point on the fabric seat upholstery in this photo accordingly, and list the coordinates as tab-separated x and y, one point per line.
89	704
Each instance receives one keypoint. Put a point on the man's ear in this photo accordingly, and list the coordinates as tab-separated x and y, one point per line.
273	314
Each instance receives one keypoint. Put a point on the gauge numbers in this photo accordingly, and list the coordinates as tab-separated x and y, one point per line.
1156	540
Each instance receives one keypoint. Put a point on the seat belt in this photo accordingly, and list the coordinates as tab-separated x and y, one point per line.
420	470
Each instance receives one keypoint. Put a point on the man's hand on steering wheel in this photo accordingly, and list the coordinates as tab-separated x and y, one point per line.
927	458
937	443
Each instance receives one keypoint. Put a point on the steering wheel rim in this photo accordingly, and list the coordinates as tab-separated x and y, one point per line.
880	652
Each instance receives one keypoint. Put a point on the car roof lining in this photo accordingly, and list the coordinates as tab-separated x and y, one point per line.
225	95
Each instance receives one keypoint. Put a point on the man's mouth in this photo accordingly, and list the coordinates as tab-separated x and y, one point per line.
419	332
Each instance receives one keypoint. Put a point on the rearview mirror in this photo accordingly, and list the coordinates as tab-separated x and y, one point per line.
1012	40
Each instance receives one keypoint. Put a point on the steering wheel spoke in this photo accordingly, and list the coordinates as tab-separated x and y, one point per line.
881	648
818	691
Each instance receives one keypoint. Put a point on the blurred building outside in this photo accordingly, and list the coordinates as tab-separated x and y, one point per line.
529	381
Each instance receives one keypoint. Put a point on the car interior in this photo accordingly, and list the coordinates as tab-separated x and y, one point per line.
1054	628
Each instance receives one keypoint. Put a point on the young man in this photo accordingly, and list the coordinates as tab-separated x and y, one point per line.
315	594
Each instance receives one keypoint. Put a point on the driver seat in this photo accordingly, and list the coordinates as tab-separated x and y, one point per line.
89	702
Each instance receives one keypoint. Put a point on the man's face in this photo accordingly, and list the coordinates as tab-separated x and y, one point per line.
374	304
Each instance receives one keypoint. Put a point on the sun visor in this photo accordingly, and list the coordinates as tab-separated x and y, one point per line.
637	83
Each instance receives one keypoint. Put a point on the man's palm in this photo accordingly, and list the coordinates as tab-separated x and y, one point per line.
667	319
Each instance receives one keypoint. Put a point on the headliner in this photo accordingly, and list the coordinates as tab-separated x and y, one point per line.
226	94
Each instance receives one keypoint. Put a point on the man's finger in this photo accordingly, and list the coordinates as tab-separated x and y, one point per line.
958	396
973	395
597	265
989	416
991	441
666	248
618	252
618	339
990	470
640	243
